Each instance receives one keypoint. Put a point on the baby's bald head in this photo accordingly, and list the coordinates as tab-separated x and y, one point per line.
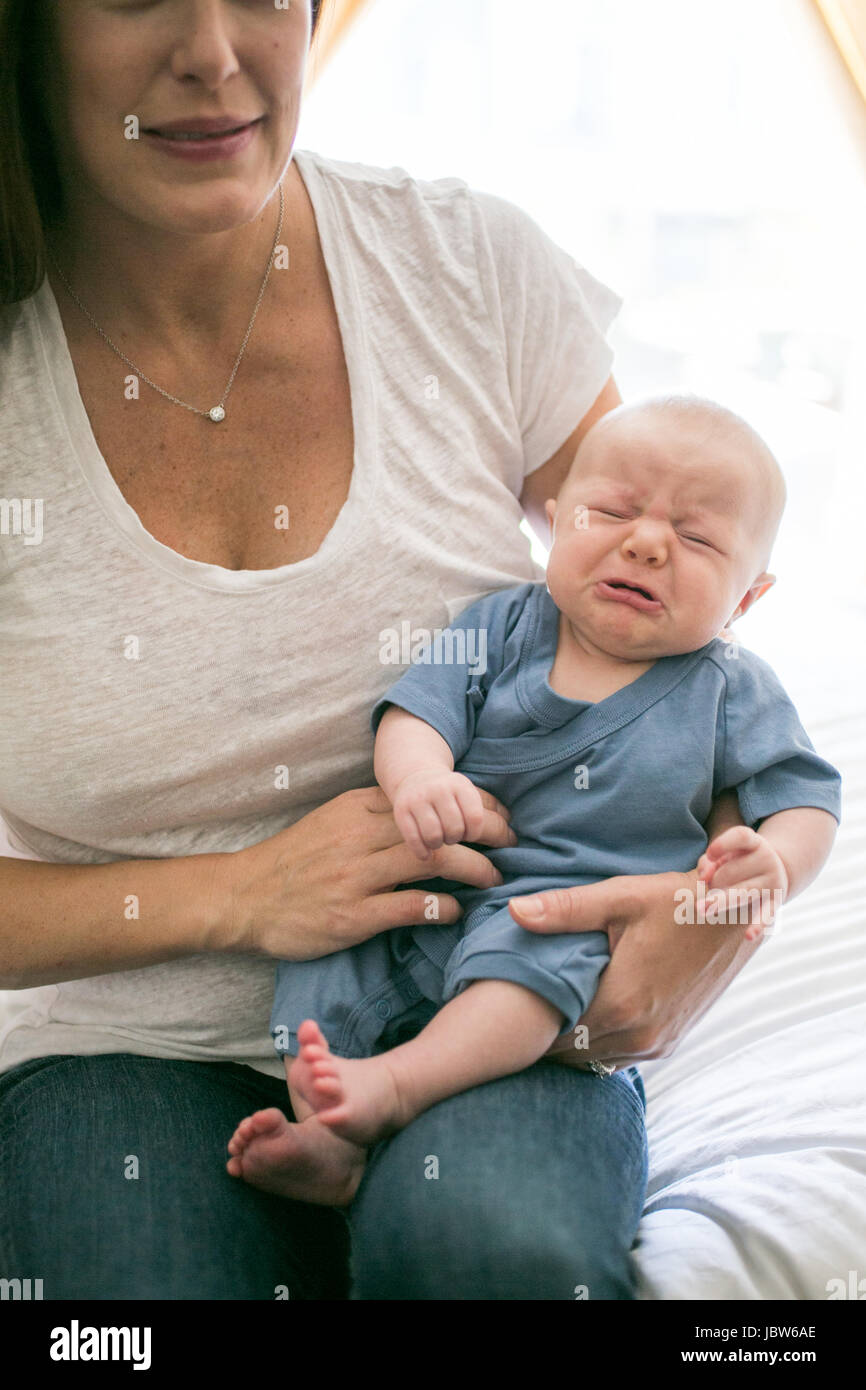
708	437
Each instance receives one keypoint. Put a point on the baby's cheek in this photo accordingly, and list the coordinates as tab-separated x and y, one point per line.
566	568
697	622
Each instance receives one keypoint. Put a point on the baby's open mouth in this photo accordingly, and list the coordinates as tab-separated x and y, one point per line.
624	591
621	584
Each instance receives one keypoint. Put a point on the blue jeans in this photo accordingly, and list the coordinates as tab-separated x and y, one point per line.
113	1186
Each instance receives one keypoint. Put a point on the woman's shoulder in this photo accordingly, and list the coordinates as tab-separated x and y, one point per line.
471	236
366	178
453	216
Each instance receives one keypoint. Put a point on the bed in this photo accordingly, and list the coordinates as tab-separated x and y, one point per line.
757	1123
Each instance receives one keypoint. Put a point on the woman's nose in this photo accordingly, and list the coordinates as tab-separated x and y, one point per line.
203	45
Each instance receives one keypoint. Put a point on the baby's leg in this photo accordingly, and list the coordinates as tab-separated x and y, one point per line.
307	1161
491	1029
310	1161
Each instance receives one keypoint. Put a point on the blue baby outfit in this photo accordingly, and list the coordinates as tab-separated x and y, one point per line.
622	786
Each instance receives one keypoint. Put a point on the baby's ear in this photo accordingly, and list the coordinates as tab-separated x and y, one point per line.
550	511
757	590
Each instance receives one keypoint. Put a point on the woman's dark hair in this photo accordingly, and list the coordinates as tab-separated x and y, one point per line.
30	189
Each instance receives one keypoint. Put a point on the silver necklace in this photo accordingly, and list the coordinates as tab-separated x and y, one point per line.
216	412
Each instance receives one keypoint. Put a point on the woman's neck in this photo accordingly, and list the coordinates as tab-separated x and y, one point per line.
147	285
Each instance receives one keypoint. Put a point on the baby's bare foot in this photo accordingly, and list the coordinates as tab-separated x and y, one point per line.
358	1099
306	1161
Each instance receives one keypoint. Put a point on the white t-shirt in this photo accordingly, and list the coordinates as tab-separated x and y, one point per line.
474	347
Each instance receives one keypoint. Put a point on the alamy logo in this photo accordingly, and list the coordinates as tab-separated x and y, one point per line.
853	1287
735	906
76	1343
462	646
22	516
20	1289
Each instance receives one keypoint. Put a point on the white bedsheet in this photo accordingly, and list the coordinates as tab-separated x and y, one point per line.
757	1124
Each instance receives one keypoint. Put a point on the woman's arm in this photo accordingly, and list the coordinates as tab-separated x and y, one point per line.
324	883
63	922
548	479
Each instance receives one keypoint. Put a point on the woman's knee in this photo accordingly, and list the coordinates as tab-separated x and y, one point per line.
488	1255
528	1188
113	1185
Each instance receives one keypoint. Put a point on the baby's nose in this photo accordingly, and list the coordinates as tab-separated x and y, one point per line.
645	546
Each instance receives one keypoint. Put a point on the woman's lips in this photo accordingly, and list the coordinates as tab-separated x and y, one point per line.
628	596
222	146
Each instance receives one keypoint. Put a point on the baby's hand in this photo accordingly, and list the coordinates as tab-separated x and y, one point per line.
437	808
744	860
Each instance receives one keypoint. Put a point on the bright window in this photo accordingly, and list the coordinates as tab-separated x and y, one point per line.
706	160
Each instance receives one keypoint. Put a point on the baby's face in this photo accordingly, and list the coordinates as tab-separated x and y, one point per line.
655	504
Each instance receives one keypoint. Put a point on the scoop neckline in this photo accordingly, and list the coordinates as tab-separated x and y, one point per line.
353	334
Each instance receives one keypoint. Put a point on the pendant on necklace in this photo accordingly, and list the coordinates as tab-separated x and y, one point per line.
217	414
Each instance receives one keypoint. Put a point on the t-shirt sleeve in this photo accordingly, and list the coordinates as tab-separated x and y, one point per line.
767	755
552	315
448	681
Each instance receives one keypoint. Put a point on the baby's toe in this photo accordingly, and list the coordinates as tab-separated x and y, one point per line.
327	1085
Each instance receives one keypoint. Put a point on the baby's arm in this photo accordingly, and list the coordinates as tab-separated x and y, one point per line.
784	856
433	804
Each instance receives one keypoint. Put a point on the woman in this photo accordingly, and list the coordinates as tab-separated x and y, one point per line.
268	409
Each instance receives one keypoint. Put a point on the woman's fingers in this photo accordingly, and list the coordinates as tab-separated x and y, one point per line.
664	972
328	880
490	826
575	1049
592	907
379	829
399	865
352	857
408	907
495	831
491	804
466	866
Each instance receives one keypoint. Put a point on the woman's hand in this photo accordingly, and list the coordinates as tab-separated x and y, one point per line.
327	881
663	975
